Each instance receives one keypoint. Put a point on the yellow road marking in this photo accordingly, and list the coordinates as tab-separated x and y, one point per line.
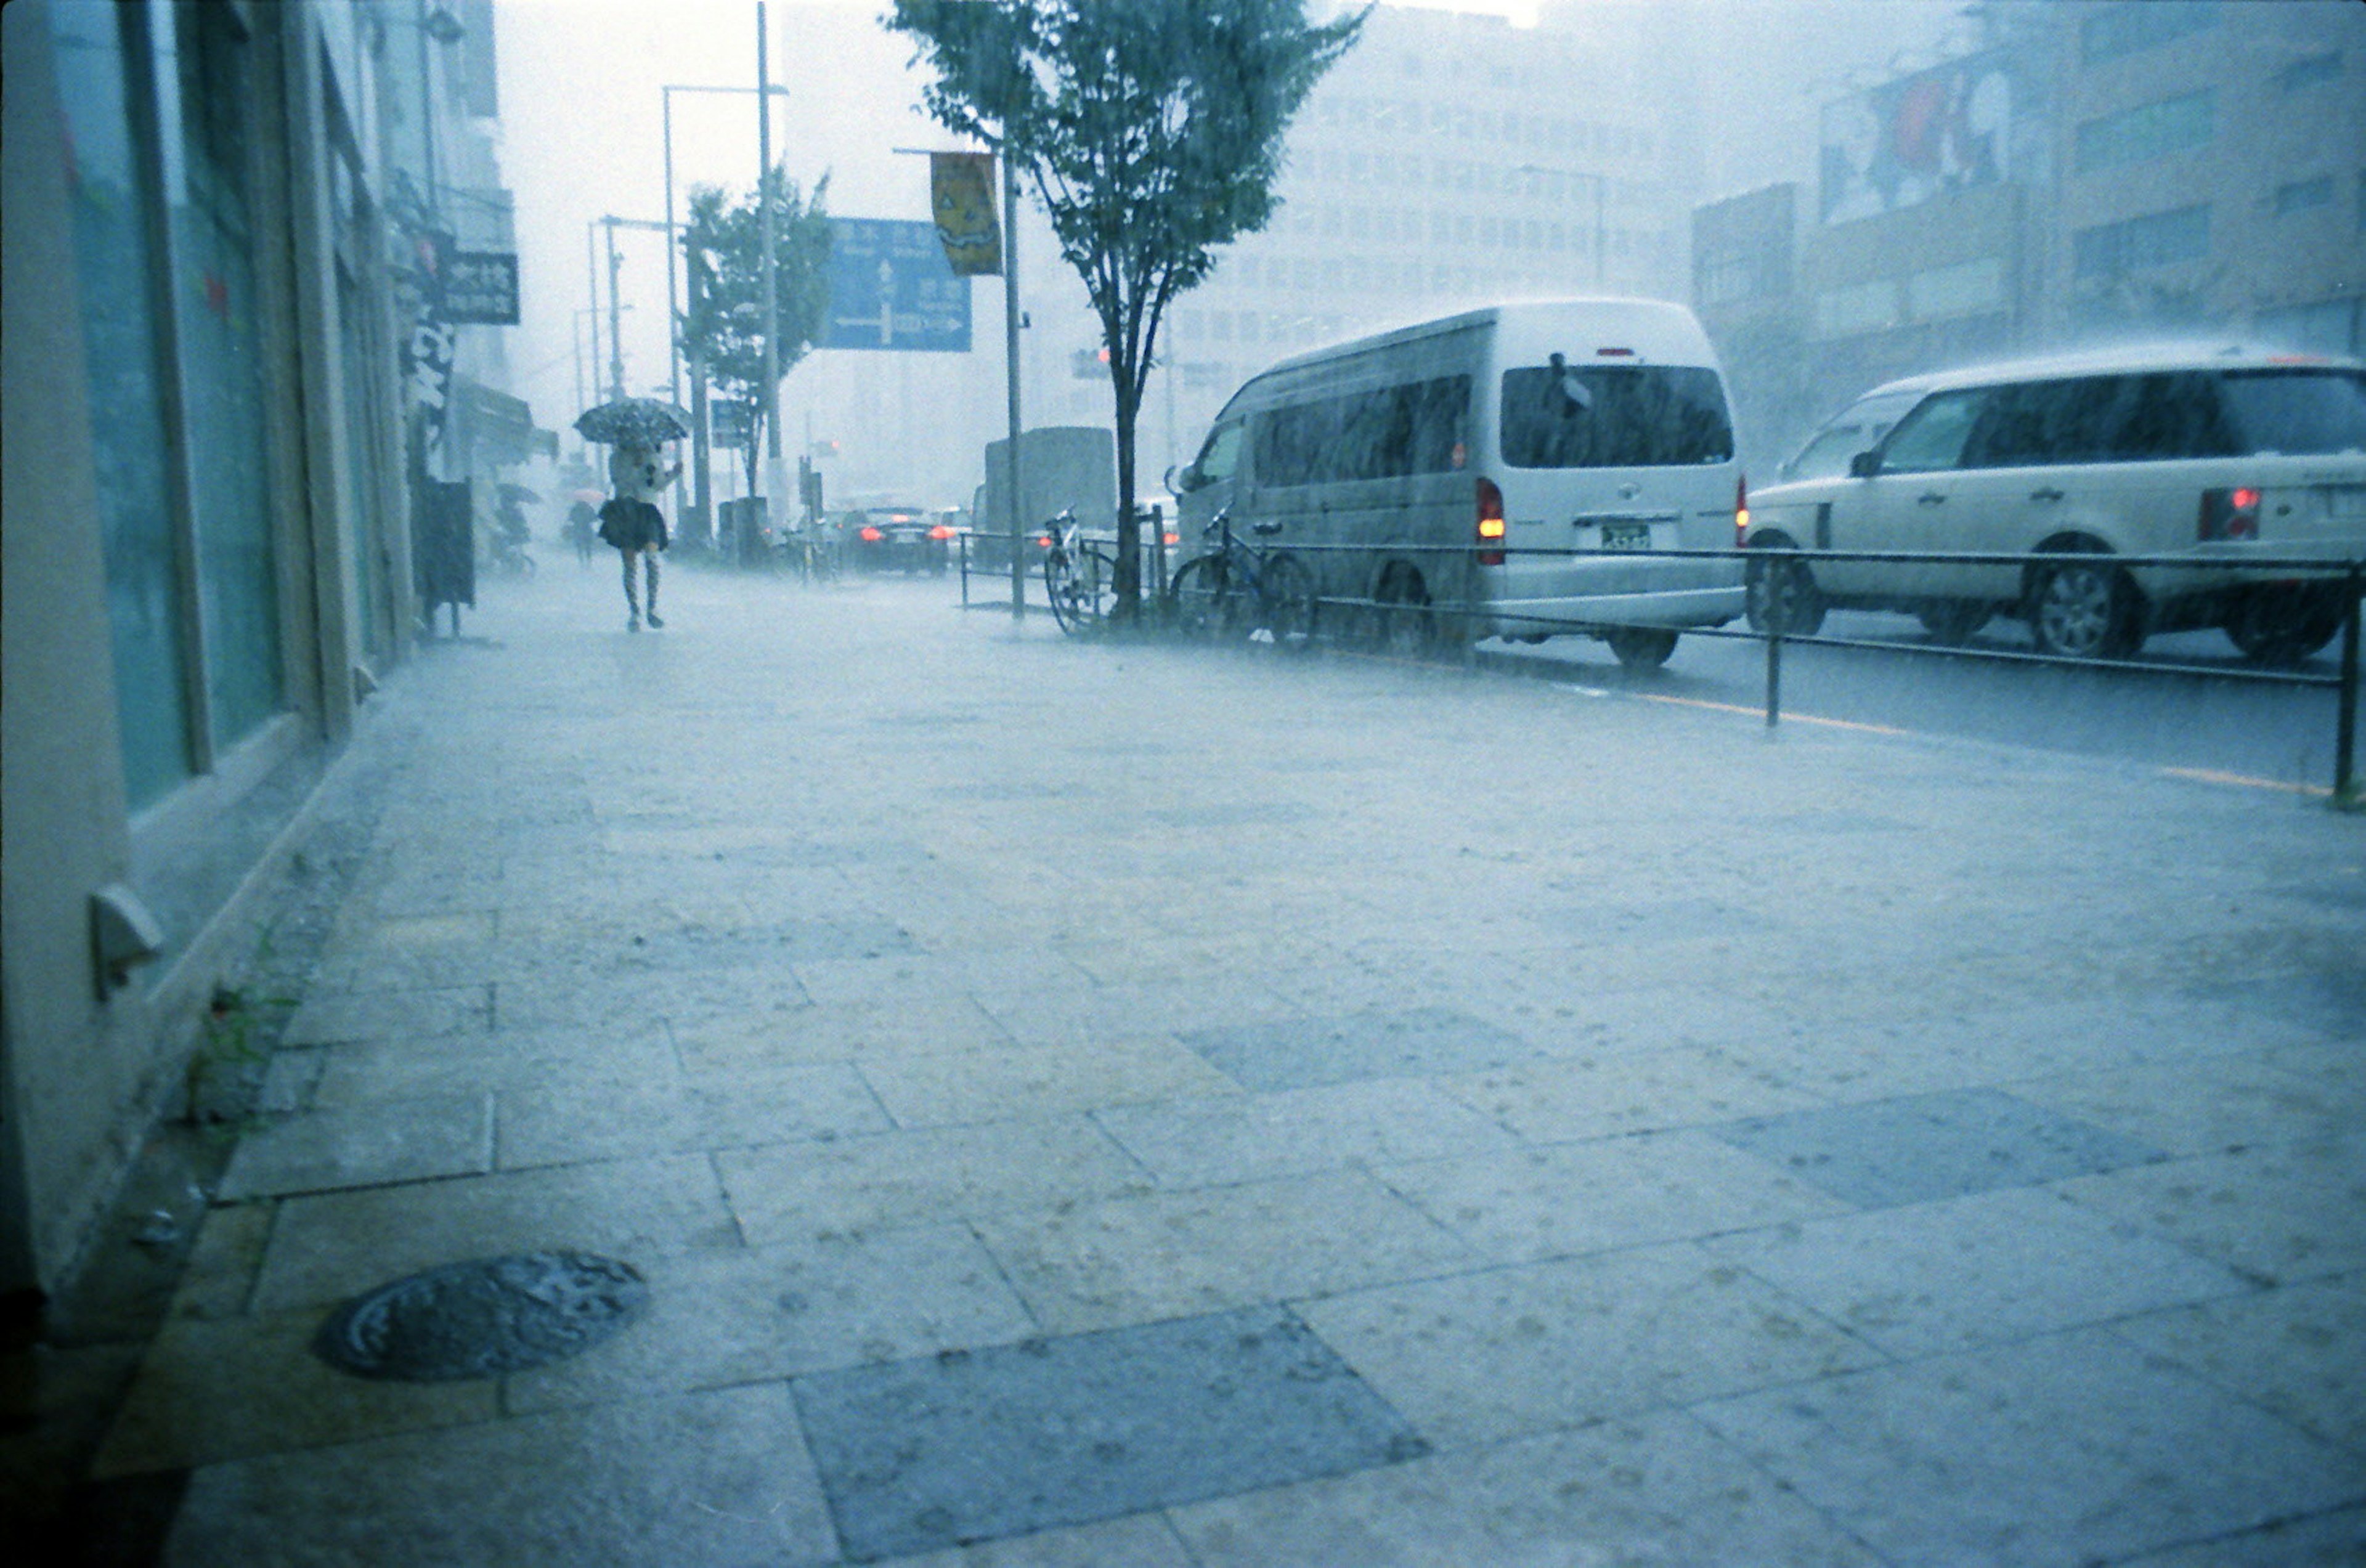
1787	717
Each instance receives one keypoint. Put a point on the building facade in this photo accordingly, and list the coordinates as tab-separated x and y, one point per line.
2084	173
207	548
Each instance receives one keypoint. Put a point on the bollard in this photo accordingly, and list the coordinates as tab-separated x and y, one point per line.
2345	743
1774	670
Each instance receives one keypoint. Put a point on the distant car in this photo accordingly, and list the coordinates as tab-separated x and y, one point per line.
899	539
2218	453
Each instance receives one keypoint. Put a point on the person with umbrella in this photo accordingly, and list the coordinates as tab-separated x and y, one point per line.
636	427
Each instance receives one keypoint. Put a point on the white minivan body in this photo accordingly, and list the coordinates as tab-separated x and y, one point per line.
1437	478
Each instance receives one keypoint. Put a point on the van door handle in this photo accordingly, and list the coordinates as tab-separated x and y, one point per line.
1932	498
2048	493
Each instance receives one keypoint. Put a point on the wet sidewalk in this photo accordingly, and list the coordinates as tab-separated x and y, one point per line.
1134	1107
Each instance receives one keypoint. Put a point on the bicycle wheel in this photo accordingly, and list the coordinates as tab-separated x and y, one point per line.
1083	587
1207	605
1286	595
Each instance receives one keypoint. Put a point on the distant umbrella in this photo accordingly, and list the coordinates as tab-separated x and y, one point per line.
640	421
518	495
590	497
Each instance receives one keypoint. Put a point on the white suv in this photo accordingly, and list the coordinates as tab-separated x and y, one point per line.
2218	454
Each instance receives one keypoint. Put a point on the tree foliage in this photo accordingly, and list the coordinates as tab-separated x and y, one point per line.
1152	131
723	326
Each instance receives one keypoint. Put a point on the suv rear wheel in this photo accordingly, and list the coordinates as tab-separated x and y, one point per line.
2279	624
2085	609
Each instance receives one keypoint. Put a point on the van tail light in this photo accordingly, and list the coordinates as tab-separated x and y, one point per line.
1490	523
1741	510
2230	513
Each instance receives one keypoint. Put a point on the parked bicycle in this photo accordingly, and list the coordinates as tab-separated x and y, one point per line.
1081	577
1239	591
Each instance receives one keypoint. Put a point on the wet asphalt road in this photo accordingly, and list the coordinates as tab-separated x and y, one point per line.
2143	711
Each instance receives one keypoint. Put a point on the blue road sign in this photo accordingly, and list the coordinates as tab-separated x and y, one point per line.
890	286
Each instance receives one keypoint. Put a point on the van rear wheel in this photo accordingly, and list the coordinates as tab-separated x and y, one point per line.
1407	629
1642	648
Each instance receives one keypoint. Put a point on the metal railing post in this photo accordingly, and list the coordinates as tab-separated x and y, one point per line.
1774	670
2344	744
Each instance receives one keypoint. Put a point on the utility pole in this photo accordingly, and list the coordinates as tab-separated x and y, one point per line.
616	338
774	501
701	458
1010	360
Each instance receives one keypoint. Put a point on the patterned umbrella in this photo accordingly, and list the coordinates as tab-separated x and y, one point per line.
639	421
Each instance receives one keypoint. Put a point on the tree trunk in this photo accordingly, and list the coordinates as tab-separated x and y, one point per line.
1128	610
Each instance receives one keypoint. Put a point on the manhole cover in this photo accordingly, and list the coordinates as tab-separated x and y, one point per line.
475	1319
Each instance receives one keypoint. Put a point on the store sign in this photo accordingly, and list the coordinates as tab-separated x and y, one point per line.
481	288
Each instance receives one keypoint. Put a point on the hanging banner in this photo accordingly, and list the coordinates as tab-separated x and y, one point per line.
961	196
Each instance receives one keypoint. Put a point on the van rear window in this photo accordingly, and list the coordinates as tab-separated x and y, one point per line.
1615	416
2303	412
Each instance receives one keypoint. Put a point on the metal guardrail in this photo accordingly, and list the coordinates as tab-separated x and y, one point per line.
2345	683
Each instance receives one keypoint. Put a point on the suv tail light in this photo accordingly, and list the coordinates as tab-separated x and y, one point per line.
1741	510
1490	523
2230	513
870	535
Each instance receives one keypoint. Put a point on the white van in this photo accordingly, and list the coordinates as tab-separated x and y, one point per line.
1414	472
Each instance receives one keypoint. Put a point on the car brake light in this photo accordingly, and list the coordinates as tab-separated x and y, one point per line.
1491	522
941	532
1741	510
870	535
2230	513
1174	538
1044	542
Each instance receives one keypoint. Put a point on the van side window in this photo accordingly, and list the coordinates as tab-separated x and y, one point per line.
1932	436
1221	458
1621	416
1384	433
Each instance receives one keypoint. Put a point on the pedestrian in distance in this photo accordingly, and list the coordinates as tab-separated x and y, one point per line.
582	530
631	522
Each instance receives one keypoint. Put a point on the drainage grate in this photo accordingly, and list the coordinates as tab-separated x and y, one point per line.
483	1317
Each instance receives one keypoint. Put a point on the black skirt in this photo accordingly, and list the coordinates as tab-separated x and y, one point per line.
632	525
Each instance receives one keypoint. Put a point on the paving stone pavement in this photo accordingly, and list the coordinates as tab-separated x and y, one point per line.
1113	1104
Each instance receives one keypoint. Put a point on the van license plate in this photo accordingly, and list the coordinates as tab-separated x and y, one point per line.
1626	535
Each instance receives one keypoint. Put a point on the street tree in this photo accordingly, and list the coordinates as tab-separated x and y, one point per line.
1151	130
722	324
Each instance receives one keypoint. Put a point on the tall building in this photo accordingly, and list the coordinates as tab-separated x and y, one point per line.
2079	174
218	222
1443	162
